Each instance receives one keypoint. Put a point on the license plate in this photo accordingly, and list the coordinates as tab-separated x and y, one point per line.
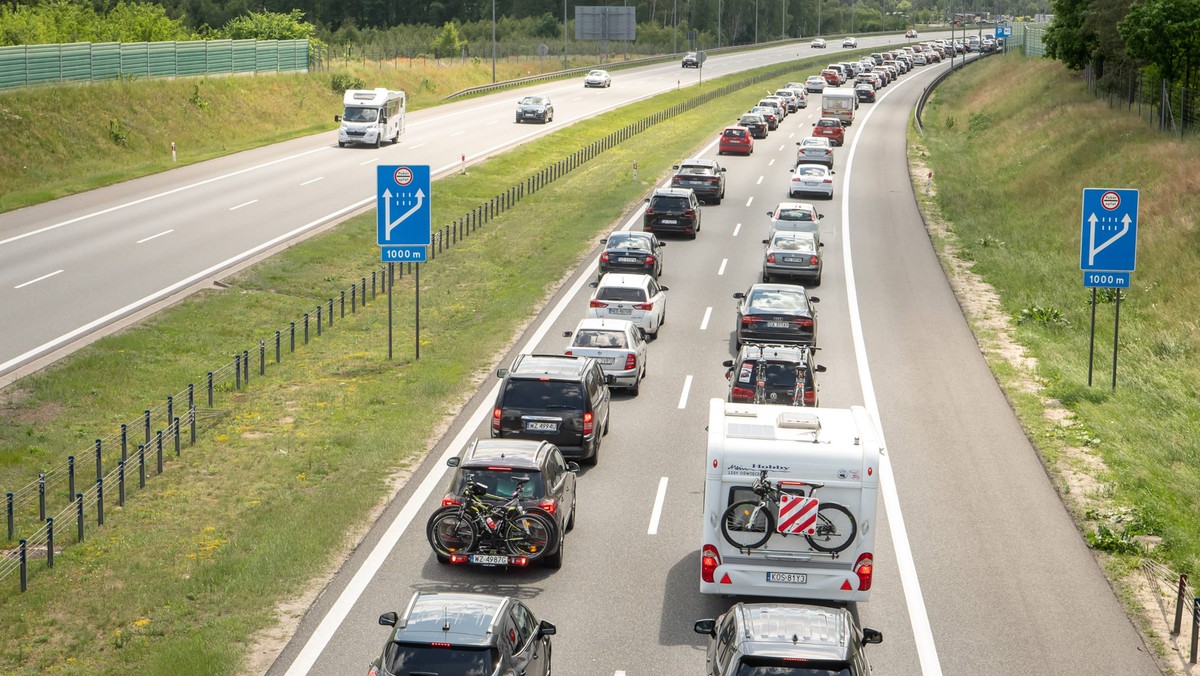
621	311
669	221
787	578
777	325
537	426
608	361
626	259
792	259
489	559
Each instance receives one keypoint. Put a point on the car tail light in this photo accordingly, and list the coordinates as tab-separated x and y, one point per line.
459	558
813	261
805	322
649	211
570	353
643	306
749	319
690	213
519	561
588	423
710	558
714	181
864	568
630	362
597	303
770	258
373	671
742	394
496	413
810	397
451	501
828	151
828	180
549	504
649	260
604	257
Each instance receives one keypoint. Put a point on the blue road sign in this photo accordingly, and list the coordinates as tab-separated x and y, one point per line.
402	254
1108	234
1106	280
402	206
1003	31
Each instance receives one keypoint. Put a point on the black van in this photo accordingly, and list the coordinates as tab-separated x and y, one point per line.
556	398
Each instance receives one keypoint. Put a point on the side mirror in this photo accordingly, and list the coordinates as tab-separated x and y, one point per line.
337	118
799	142
567	334
728	363
453	462
766	241
604	241
814	299
820	244
710	627
592	284
664	288
500	373
872	636
675	167
572	466
389	620
647	200
546	629
661	244
722	170
819	368
814	124
739	295
791	171
832	172
820	216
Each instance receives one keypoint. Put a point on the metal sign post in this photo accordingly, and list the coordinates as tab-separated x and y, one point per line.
404	227
1107	253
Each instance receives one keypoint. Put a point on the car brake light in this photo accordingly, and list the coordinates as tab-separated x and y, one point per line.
710	558
643	306
813	260
439	644
451	501
519	561
864	568
630	362
459	558
596	303
570	353
690	213
742	394
748	319
803	321
828	180
604	257
649	211
588	420
770	258
549	504
810	397
496	413
649	260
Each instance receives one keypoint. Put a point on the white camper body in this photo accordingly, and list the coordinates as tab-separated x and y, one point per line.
839	448
371	116
840	103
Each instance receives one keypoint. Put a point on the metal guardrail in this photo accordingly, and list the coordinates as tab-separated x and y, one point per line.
938	80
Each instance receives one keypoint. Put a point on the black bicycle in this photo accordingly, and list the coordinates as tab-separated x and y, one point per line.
748	524
475	524
760	382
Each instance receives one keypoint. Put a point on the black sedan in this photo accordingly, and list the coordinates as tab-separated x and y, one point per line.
756	123
776	313
768	115
706	178
865	93
638	253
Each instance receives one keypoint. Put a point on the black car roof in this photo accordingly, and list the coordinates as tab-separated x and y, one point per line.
458	619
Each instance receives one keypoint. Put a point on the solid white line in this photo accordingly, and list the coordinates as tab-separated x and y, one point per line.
759	181
35	281
721	271
750	201
243	204
419	145
319	178
164	232
362	577
707	316
619	673
736	229
656	513
918	616
687	385
370	161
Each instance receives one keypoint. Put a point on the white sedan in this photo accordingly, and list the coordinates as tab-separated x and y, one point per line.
811	179
815	83
597	78
616	344
850	43
637	298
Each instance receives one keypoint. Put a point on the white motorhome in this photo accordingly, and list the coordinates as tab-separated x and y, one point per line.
840	103
372	116
825	461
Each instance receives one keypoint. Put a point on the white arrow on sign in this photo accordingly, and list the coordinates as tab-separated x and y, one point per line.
1092	248
387	211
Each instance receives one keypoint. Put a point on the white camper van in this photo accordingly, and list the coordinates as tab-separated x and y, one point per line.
840	103
371	116
790	502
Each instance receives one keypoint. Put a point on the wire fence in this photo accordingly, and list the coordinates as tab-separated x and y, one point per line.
70	490
1169	108
1178	606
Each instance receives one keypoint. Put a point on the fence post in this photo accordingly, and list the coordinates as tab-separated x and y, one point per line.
1179	604
100	501
353	299
292	334
99	461
50	543
170	407
70	476
121	484
141	465
342	310
125	432
210	389
372	286
237	376
11	526
24	567
192	419
331	312
158	445
146	423
191	402
364	291
245	369
1195	626
79	514
306	328
277	340
320	323
42	496
176	425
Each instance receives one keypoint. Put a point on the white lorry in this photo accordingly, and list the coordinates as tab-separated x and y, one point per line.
839	102
372	116
809	531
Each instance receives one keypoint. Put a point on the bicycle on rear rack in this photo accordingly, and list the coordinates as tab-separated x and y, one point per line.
477	525
749	524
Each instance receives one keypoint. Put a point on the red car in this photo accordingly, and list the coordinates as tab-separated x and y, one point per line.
735	139
832	77
830	128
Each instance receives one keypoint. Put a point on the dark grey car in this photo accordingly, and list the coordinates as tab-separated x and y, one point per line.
556	398
535	109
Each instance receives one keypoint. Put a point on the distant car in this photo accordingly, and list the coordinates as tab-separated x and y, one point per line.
705	177
818	43
792	254
673	210
795	217
910	33
865	92
535	109
830	128
919	59
636	298
775	102
735	139
776	313
597	78
815	84
774	374
779	638
464	633
617	345
757	124
694	59
770	114
832	77
796	98
633	252
809	179
497	464
850	43
814	150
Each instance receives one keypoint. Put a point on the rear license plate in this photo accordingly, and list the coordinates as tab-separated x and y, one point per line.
787	578
608	361
777	325
811	184
627	259
489	559
792	259
621	311
669	221
538	426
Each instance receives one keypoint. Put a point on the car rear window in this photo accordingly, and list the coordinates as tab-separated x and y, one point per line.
670	203
776	301
734	133
750	120
778	374
621	293
779	666
403	659
696	170
784	243
792	214
629	243
598	338
543	394
828	123
502	484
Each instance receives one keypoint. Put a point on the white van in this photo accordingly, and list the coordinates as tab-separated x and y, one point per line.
372	116
816	538
840	103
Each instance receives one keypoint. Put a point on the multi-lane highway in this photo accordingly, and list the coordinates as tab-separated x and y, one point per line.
978	567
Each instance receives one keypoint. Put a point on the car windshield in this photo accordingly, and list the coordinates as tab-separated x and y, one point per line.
361	114
533	100
500	483
599	338
778	666
794	213
784	243
597	73
777	300
543	394
696	170
621	293
403	659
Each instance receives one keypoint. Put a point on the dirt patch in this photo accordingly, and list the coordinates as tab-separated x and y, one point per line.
14	408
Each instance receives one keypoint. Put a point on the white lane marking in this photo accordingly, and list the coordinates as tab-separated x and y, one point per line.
750	201
759	181
618	673
736	229
164	232
721	270
459	133
362	577
687	385
419	145
370	161
707	316
109	210
312	181
782	147
243	204
771	162
35	281
918	616
656	513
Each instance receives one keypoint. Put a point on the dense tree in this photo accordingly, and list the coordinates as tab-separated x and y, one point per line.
1165	33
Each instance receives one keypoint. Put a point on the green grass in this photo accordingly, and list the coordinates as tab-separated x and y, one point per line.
1013	142
191	569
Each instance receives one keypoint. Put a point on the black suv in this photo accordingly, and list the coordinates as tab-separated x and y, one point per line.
631	252
706	178
693	59
464	634
773	374
555	398
501	464
672	210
